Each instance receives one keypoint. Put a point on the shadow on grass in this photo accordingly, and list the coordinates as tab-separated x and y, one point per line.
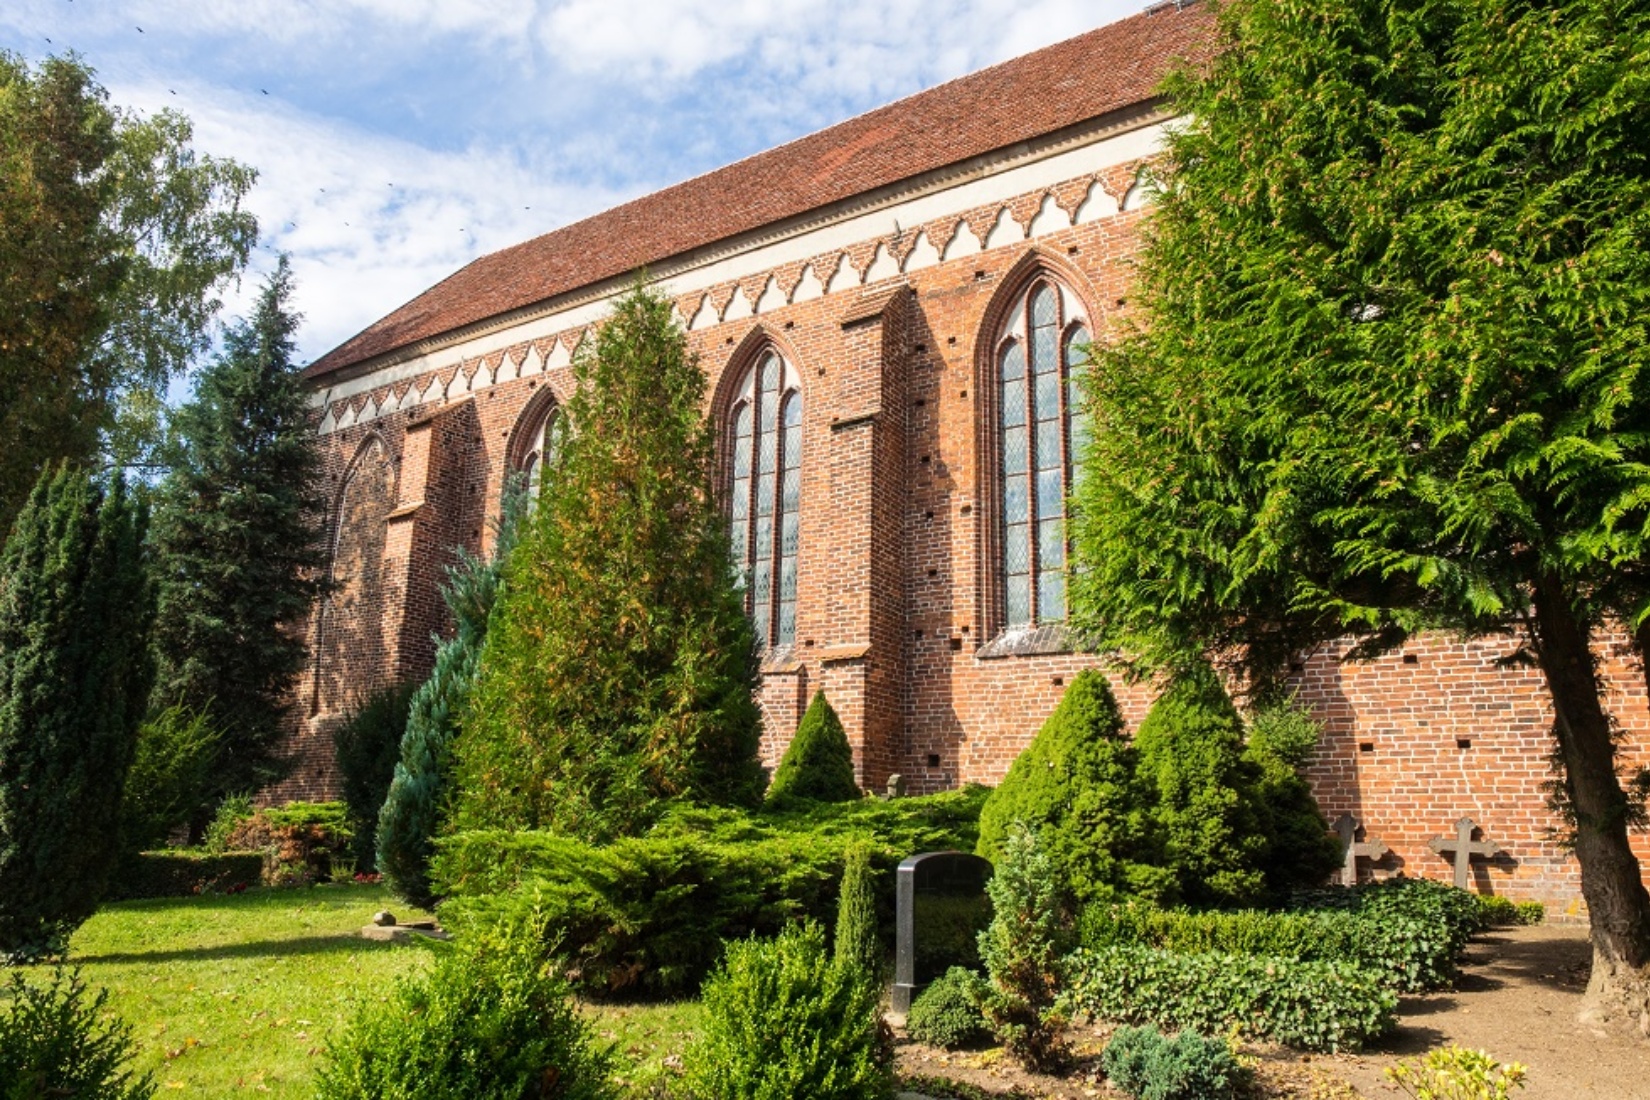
332	896
338	944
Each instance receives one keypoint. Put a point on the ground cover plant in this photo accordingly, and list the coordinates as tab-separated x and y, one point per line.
649	914
1148	1065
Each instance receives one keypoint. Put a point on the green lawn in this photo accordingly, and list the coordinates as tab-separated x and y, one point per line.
239	993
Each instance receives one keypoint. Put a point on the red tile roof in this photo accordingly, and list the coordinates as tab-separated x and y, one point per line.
1094	74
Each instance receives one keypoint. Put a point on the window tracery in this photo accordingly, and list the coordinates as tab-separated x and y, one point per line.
765	494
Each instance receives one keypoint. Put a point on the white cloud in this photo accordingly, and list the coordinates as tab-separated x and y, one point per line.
370	221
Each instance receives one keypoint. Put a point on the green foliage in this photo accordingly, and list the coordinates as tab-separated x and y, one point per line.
302	842
1023	951
1499	912
819	764
489	1022
1075	786
1205	807
74	617
1407	954
1307	1005
617	676
1387	368
1148	1065
237	543
182	873
57	1039
858	946
170	778
117	238
1455	1073
418	793
947	1013
1451	915
367	747
1299	851
782	1020
231	812
650	913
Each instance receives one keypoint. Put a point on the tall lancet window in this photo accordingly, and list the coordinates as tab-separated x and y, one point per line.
766	421
1043	432
538	450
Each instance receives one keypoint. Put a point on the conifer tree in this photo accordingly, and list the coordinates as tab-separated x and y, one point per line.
857	943
74	676
618	672
411	817
819	764
1075	786
1204	793
238	542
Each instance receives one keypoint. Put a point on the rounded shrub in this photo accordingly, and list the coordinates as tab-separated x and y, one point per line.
489	1022
1148	1065
1075	787
58	1039
819	763
1300	851
947	1013
783	1020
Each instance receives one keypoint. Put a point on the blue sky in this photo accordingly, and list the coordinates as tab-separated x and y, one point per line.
398	139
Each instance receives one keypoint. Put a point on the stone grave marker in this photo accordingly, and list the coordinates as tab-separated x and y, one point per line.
1464	848
1370	848
940	909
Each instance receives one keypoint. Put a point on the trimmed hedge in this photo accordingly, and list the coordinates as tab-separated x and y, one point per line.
1498	912
1454	914
1316	1005
651	913
1407	954
182	872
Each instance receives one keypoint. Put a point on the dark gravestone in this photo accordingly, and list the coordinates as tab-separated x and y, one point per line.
940	910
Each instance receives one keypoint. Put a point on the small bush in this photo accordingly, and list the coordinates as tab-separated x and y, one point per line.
1530	912
1023	952
1499	912
782	1020
1453	914
1300	851
1308	1005
367	747
1075	786
1148	1065
857	943
947	1013
819	764
1455	1073
1408	955
488	1022
171	777
57	1039
301	841
651	913
231	812
182	872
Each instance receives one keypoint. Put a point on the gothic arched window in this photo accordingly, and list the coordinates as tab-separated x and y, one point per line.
538	449
1041	433
766	423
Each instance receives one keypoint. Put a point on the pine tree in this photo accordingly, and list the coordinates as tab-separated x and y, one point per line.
74	676
1075	786
858	944
618	673
411	817
238	542
819	764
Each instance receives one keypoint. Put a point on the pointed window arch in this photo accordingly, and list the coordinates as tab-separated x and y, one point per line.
537	447
1041	435
765	493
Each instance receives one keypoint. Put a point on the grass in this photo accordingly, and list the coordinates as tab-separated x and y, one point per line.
228	994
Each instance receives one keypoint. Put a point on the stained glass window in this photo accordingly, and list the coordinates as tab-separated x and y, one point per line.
542	447
1042	434
766	494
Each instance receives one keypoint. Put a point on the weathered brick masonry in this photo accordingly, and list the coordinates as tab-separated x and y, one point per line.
880	259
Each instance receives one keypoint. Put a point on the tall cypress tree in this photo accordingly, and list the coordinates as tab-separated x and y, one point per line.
237	542
412	811
619	666
75	611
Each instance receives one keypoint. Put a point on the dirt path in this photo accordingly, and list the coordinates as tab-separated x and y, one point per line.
1518	996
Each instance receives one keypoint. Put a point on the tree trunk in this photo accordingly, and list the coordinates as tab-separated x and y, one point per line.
1617	902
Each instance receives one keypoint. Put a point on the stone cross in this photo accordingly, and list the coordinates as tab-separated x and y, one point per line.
1464	848
1346	827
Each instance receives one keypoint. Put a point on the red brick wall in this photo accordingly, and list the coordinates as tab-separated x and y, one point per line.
898	589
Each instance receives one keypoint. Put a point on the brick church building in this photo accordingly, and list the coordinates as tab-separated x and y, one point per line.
886	311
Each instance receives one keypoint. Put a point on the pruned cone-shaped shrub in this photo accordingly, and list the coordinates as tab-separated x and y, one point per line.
857	943
1075	787
819	763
